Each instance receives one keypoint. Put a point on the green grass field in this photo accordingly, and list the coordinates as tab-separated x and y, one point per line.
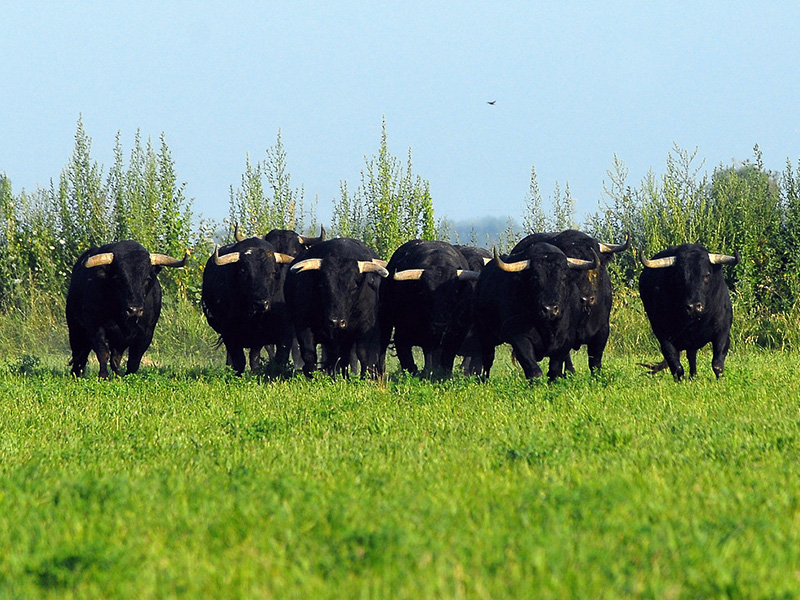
189	482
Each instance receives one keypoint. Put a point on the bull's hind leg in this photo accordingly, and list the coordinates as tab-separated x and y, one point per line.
691	357
595	349
236	354
116	359
79	358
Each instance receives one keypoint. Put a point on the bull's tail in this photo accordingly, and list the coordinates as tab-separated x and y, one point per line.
653	368
218	343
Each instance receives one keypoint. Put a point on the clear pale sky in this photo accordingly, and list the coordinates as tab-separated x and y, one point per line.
575	83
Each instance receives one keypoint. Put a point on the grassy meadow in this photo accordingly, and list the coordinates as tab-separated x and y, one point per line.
186	481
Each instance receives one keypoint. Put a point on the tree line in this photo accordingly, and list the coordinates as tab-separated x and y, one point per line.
744	207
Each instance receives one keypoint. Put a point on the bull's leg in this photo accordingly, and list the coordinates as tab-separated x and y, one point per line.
526	357
487	358
720	346
102	351
79	358
405	355
255	358
116	359
673	357
568	366
237	358
308	351
595	349
691	357
556	367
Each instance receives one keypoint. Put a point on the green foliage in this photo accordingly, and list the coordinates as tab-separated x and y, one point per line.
562	209
255	211
390	206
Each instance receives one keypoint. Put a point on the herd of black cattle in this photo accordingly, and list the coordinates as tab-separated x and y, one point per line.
290	294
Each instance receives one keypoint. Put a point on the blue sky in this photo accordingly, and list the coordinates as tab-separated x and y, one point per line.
575	84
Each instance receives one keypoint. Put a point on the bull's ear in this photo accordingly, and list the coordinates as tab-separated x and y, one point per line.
309	264
283	259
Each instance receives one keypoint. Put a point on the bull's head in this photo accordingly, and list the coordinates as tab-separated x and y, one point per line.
131	276
256	275
694	273
544	274
341	283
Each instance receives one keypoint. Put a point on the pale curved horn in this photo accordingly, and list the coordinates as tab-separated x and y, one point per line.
611	248
514	267
309	264
408	275
283	259
237	235
370	266
310	241
584	265
225	259
106	258
724	259
380	262
658	263
162	260
466	275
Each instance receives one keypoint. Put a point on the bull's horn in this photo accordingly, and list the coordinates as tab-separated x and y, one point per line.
162	260
724	259
236	235
310	241
466	275
380	262
611	248
371	266
309	264
584	265
408	274
658	263
106	258
514	267
283	259
225	259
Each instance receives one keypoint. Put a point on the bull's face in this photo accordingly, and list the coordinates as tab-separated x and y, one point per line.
546	282
443	296
130	281
695	276
341	286
257	280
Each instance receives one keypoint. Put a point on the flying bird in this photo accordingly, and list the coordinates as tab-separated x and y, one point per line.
491	102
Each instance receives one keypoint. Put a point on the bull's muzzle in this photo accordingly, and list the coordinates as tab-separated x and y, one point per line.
338	323
695	309
551	311
134	312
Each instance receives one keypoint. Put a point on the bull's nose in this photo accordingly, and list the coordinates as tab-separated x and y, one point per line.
551	311
338	323
695	308
261	305
134	311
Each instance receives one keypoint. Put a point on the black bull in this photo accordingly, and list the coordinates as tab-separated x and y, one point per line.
688	305
427	302
113	304
592	326
332	293
242	299
530	301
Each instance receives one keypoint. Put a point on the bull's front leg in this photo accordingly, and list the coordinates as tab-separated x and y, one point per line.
720	346
308	351
673	357
526	357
